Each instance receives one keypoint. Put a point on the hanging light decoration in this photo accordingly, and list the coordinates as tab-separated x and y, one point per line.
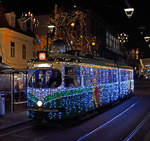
72	24
147	38
123	38
29	16
93	43
129	12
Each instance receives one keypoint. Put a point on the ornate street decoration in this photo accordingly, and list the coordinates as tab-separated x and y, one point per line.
123	38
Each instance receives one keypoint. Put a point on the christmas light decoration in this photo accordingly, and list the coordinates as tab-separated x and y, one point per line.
123	38
99	85
29	16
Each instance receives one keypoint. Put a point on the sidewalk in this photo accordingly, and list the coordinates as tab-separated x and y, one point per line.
13	119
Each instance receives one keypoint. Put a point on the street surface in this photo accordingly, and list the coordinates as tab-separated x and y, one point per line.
127	121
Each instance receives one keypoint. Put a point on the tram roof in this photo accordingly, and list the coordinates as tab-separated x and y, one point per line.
85	59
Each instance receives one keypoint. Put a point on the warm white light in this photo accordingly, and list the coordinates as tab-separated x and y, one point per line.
129	12
93	43
74	6
72	24
51	26
42	65
39	103
147	38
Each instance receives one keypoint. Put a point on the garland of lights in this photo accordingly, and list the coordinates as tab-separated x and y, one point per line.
81	100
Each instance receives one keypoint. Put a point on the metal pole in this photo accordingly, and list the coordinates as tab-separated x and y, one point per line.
12	91
47	42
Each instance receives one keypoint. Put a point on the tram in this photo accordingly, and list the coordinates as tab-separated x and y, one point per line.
62	86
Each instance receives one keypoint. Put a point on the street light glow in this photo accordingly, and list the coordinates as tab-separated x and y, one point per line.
51	26
147	38
129	12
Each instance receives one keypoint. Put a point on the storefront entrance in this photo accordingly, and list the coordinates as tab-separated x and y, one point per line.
13	86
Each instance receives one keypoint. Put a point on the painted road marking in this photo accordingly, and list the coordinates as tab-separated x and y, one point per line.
105	124
137	128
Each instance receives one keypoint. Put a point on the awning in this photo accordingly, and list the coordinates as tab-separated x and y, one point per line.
6	68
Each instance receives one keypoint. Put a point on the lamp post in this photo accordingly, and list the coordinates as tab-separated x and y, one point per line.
50	34
129	11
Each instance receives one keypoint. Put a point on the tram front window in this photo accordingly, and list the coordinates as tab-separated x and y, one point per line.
46	79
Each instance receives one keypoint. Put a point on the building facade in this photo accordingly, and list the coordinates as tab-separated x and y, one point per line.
15	48
16	44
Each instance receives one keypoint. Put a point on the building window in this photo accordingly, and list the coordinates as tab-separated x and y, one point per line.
24	52
12	44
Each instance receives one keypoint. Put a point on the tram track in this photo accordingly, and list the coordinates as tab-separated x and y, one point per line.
138	127
16	128
106	123
48	131
116	117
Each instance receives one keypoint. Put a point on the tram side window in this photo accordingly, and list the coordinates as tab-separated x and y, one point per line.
114	75
36	80
109	76
97	76
123	75
129	75
53	78
72	76
86	77
132	75
102	74
91	76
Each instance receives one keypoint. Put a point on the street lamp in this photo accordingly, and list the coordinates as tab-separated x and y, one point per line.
147	38
51	33
51	27
129	12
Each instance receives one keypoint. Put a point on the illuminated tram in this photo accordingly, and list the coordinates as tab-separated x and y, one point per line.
64	86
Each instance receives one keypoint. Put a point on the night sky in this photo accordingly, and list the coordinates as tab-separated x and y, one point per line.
112	11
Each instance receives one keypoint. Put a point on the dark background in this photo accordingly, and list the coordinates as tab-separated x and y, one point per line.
112	11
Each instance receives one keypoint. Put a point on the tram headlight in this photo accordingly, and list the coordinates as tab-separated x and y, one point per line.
39	103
